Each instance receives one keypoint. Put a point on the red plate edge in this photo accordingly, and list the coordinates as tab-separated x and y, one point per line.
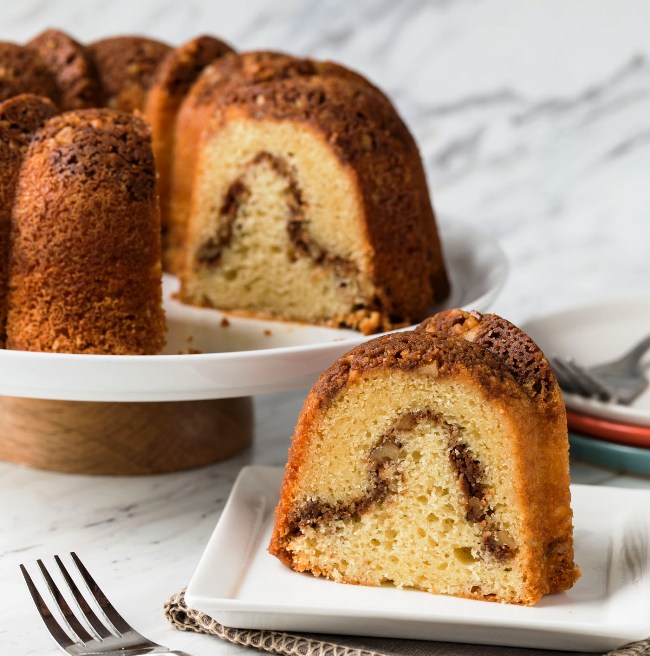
610	431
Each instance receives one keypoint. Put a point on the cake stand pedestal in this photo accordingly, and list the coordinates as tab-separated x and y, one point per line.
87	437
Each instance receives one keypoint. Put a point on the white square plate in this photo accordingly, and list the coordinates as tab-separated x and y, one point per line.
240	584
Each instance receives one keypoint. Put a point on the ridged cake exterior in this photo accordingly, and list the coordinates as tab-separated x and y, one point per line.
20	117
126	67
427	460
71	67
23	70
85	272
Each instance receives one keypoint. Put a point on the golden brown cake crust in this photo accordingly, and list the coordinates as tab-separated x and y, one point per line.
181	66
363	129
22	70
260	66
522	356
126	66
20	117
85	272
71	66
405	351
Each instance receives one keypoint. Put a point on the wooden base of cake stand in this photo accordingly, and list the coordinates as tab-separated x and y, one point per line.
85	437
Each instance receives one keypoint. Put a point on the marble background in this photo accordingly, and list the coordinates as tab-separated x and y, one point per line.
532	118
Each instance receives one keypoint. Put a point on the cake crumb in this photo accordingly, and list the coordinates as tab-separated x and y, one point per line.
267	332
224	322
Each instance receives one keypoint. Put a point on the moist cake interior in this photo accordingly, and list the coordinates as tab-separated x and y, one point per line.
285	237
429	459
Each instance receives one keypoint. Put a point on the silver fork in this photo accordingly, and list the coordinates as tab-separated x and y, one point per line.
84	633
620	381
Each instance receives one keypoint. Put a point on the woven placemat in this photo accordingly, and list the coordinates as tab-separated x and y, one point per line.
291	644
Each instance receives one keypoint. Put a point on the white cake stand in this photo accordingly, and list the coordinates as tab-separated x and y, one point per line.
212	363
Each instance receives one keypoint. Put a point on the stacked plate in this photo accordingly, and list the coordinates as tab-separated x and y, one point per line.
606	434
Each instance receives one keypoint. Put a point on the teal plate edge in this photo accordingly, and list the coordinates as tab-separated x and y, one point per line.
608	454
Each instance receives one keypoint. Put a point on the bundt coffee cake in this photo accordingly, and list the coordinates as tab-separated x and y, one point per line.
288	188
298	201
85	272
435	459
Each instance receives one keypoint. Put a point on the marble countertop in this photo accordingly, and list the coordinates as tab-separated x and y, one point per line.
532	121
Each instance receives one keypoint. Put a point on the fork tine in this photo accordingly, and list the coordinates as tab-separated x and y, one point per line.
565	377
61	637
588	381
84	607
572	379
118	622
574	382
76	626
